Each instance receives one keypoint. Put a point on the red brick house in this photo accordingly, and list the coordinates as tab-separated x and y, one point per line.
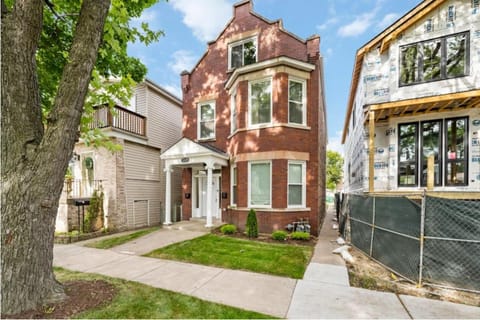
254	130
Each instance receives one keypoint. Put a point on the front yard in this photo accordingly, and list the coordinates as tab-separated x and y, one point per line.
93	296
226	252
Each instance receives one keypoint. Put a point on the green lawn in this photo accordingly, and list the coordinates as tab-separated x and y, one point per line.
116	241
278	259
136	300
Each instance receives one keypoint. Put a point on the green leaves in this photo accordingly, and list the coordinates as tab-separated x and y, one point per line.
115	73
334	169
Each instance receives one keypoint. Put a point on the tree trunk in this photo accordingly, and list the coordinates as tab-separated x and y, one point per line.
34	160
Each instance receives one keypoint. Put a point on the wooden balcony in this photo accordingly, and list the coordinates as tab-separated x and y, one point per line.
76	188
119	118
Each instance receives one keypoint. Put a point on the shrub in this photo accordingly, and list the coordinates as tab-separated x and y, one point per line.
228	229
252	225
94	216
279	235
299	235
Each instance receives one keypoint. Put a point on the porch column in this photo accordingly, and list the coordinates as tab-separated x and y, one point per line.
209	195
168	195
371	151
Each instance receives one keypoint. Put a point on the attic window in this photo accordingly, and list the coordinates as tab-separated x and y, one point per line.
242	53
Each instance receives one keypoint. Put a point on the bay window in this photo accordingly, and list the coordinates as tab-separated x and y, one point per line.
260	102
259	184
234	191
296	101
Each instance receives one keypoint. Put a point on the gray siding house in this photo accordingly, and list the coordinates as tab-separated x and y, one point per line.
131	179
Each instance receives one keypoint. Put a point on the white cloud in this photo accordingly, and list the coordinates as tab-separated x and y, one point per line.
334	143
387	20
173	89
182	60
206	18
327	24
357	26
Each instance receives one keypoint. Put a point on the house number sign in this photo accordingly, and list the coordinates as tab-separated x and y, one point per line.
184	160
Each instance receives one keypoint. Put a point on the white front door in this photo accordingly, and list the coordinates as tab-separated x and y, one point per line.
215	200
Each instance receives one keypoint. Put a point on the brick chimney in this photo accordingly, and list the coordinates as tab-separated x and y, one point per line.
185	81
313	48
242	9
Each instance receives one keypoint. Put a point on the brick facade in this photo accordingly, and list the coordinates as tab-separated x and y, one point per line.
277	142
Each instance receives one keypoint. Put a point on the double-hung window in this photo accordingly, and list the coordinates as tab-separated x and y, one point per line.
296	101
260	102
206	120
296	184
436	59
242	53
260	184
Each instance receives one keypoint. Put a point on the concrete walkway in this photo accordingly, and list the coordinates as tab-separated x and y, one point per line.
323	293
247	290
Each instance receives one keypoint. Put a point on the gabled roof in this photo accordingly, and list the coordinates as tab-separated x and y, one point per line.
382	41
188	148
278	21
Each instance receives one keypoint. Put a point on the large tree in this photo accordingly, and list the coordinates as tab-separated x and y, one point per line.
48	64
334	169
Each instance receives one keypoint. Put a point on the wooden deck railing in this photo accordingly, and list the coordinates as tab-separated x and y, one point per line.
119	118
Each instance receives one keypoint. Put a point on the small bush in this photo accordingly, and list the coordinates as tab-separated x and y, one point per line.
299	235
279	235
228	229
252	225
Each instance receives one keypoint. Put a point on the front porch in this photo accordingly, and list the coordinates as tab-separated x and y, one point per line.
202	191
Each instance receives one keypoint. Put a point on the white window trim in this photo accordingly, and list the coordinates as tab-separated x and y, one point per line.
233	107
304	184
211	103
237	43
232	169
259	125
304	100
250	184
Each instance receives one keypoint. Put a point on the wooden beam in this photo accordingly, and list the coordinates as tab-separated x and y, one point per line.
430	99
430	172
371	151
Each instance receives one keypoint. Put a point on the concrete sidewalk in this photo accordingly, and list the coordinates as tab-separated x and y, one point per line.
247	290
325	293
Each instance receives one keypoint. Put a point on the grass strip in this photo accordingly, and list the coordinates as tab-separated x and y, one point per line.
139	301
116	241
221	251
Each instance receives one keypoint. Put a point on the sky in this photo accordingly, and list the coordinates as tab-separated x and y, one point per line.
343	25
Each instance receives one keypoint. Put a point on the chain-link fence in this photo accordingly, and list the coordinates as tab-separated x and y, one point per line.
435	240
